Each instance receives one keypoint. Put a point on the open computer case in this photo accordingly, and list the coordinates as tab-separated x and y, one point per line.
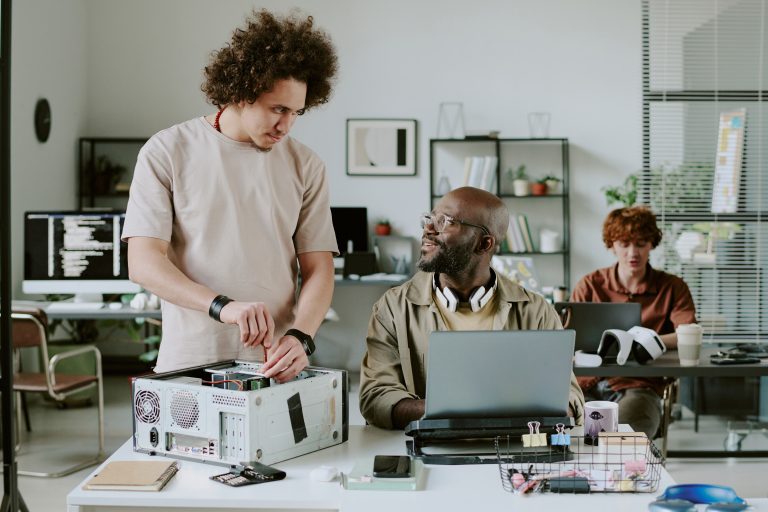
227	413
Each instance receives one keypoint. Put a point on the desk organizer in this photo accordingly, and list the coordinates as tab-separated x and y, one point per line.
613	462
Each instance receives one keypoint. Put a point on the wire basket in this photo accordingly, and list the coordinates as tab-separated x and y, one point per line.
616	462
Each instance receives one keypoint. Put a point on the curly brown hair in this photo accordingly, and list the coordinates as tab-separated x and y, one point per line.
269	49
632	224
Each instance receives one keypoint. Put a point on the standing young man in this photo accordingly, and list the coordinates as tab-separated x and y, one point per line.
225	209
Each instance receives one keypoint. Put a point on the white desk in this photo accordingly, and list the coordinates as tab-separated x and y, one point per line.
105	313
446	487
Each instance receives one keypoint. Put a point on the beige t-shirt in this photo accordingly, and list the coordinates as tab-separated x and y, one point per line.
236	218
464	319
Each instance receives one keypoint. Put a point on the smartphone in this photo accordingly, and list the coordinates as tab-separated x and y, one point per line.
392	466
734	360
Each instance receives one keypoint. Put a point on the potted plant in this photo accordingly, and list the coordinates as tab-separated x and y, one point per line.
625	195
553	183
539	187
519	181
382	227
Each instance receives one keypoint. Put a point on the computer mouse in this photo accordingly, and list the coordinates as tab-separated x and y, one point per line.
115	305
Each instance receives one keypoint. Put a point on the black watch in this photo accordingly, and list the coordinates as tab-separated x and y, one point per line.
304	338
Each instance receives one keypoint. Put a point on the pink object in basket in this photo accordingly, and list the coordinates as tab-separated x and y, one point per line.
635	466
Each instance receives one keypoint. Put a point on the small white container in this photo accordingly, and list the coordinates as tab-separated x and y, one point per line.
549	241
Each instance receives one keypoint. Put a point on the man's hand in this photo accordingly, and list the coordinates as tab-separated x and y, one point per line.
285	359
406	411
253	318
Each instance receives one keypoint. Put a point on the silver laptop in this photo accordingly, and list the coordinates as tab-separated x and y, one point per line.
498	374
590	319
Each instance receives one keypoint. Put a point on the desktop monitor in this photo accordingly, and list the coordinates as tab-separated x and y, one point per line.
351	227
75	253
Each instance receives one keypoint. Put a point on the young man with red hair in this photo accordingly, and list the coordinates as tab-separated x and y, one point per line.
631	234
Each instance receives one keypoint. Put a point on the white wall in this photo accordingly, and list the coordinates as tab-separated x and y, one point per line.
581	61
47	61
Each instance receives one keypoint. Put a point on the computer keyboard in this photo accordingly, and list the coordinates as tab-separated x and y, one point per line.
74	306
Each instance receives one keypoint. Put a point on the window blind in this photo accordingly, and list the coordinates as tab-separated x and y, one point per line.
704	149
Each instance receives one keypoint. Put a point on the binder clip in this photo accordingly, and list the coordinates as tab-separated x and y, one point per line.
561	438
534	438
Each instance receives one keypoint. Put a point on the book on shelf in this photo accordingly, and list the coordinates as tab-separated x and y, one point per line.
467	171
480	172
481	134
526	231
476	174
513	238
133	475
519	237
489	173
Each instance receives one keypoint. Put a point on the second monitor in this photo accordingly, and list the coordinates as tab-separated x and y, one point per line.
77	253
351	226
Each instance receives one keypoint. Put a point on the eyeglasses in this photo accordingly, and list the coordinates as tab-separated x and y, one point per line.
440	221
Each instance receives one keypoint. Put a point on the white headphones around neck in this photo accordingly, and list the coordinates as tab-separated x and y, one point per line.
477	299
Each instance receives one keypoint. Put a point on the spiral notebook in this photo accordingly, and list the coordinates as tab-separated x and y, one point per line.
133	475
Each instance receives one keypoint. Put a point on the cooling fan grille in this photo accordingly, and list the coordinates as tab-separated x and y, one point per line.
185	410
147	406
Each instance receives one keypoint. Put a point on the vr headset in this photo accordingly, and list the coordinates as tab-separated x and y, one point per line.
640	343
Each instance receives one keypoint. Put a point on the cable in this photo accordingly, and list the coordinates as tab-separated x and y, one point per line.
213	382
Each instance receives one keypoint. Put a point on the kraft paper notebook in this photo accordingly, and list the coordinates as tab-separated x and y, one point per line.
133	475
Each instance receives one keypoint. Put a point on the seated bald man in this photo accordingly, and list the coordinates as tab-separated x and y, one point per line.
459	238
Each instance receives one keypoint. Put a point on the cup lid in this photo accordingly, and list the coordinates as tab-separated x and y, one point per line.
689	329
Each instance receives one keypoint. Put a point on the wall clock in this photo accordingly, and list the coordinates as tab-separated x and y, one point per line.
42	119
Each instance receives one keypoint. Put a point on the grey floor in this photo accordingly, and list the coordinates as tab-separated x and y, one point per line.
60	436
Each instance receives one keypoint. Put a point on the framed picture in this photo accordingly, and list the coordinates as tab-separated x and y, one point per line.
381	147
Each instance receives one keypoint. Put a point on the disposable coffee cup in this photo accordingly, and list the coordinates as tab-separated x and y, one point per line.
689	337
600	416
560	293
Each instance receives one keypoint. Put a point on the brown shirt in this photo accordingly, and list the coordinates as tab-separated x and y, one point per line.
665	300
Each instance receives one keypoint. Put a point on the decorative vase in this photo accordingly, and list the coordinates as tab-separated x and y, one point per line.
382	229
521	187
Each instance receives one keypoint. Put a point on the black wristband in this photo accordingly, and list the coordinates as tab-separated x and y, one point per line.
305	340
214	311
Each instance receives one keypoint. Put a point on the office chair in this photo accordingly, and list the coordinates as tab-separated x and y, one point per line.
30	330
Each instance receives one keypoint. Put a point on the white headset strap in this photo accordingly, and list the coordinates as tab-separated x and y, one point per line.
481	297
477	301
446	298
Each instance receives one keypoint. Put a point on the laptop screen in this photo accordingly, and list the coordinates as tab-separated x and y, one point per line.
498	374
590	319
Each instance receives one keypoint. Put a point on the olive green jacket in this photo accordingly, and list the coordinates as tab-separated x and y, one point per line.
394	365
